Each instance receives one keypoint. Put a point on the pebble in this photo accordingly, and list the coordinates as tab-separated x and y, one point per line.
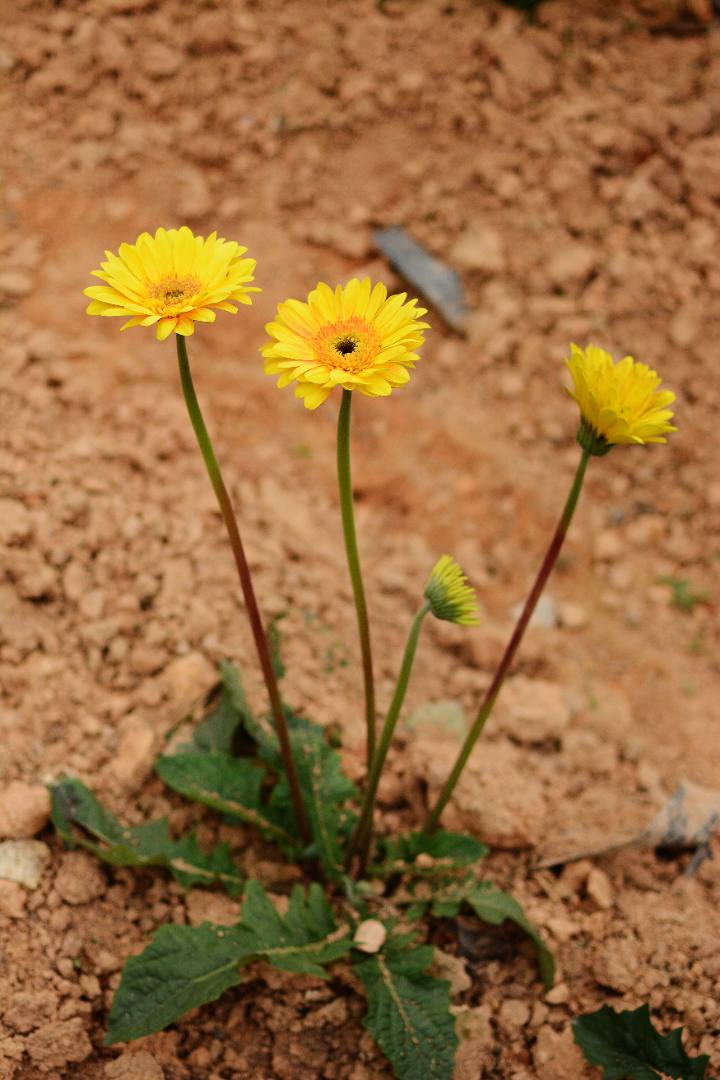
205	906
189	677
608	545
480	247
23	861
570	264
134	1065
24	810
599	888
80	878
370	936
58	1044
559	995
452	968
135	754
12	900
512	1016
572	616
16	283
15	522
556	1055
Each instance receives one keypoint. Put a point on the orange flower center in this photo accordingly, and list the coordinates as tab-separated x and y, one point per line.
173	292
350	344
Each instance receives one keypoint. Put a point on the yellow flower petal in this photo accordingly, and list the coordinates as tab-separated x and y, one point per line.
174	279
619	401
354	336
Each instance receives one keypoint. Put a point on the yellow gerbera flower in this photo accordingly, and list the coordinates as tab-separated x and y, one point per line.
356	337
172	280
449	595
619	402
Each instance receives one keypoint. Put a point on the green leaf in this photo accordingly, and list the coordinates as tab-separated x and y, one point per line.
218	729
306	938
325	789
492	906
408	1011
627	1047
184	966
81	820
442	851
230	785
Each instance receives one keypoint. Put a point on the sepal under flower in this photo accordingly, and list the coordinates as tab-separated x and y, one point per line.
448	594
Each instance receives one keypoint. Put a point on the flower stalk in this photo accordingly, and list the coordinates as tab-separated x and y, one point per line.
353	559
362	837
253	611
496	685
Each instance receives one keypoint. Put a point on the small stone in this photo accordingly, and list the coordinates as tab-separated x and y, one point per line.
512	1016
370	936
480	247
58	1044
687	326
38	582
556	1054
159	61
30	1009
135	755
79	879
134	1065
559	995
607	546
544	617
572	615
15	283
146	660
571	264
474	1023
447	966
533	711
188	678
15	522
24	810
12	900
194	198
562	928
617	964
525	65
204	906
23	861
599	889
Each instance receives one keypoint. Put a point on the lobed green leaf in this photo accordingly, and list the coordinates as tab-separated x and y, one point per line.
184	967
409	1011
627	1047
81	820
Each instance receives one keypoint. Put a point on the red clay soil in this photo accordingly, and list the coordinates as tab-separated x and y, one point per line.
570	170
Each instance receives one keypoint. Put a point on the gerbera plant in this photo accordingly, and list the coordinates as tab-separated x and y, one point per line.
369	895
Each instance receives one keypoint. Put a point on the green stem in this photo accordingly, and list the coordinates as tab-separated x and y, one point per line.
362	837
496	685
251	605
353	559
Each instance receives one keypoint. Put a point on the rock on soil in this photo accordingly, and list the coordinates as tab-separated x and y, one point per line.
80	878
24	810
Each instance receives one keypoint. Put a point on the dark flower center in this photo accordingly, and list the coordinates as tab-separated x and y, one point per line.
346	346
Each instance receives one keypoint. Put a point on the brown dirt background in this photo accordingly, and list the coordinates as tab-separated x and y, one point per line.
571	171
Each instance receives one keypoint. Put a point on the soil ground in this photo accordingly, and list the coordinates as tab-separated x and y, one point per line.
570	170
